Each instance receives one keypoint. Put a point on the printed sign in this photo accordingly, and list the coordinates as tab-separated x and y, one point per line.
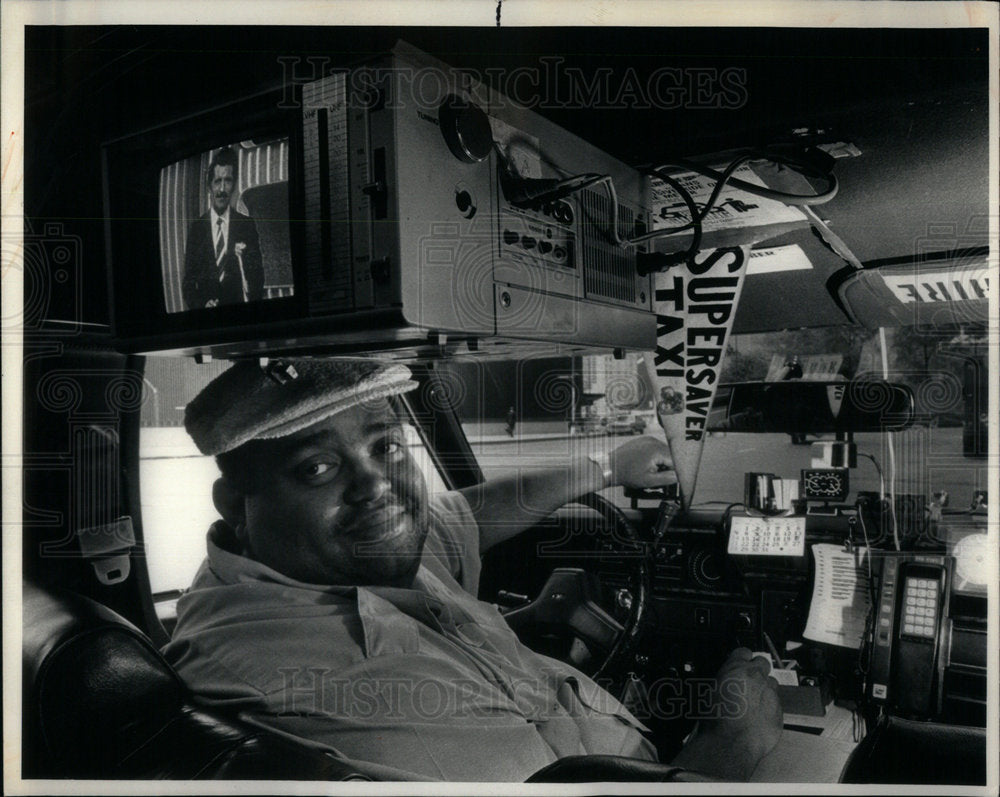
733	208
771	259
956	285
694	315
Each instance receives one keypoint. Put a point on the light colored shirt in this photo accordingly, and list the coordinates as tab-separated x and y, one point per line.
427	683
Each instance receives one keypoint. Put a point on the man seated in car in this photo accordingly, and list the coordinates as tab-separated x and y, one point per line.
337	603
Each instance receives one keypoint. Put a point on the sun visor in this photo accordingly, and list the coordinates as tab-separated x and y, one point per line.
945	293
786	286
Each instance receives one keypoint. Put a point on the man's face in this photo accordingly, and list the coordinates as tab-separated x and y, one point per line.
341	502
221	187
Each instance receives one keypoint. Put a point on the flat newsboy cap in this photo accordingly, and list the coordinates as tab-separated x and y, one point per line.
254	402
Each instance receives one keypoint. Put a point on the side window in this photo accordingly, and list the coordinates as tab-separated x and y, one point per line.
176	480
420	454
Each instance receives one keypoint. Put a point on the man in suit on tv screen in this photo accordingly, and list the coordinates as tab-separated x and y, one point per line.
222	260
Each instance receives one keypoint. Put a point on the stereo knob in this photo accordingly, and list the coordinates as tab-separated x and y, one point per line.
466	129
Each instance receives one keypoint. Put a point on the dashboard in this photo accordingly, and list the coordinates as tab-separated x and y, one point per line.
705	600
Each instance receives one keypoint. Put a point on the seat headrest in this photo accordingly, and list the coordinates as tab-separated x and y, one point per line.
100	702
52	618
93	684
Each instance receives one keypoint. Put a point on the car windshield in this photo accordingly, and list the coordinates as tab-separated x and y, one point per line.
527	413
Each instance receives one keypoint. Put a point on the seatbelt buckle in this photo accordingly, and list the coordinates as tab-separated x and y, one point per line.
108	546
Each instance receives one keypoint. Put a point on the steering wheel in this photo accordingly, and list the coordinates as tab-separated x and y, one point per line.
567	604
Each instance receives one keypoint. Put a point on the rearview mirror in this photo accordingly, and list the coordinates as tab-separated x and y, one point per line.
812	407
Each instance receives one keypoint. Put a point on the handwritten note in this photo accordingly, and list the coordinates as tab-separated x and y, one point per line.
840	598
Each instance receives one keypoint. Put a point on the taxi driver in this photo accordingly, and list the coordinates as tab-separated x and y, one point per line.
338	602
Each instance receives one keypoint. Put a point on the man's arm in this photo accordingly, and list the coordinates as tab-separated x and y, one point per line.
193	270
506	506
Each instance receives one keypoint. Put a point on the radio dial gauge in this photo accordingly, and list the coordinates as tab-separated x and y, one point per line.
704	569
972	562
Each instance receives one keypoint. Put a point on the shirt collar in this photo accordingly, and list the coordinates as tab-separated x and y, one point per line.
216	216
231	567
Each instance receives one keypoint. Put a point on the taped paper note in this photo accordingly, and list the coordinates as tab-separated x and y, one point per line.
840	599
520	149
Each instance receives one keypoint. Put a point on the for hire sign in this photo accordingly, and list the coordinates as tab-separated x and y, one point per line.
694	307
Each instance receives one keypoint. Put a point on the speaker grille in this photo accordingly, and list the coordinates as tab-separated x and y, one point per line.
608	269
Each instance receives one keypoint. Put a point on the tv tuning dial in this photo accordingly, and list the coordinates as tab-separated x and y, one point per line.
466	129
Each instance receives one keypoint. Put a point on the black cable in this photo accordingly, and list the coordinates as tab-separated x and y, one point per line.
536	190
697	216
659	262
685	195
728	511
647	262
799	165
872	587
721	181
862	673
526	191
878	467
868	637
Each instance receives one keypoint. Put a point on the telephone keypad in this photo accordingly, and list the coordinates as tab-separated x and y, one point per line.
920	607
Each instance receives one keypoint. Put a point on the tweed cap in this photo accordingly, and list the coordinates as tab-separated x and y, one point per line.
251	402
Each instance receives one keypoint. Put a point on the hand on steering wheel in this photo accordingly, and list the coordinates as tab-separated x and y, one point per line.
567	603
641	463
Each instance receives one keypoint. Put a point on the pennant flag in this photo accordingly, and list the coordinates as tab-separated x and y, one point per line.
695	307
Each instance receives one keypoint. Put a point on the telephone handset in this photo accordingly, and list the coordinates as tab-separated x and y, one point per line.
912	633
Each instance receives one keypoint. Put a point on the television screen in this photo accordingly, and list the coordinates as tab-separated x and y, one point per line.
224	226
